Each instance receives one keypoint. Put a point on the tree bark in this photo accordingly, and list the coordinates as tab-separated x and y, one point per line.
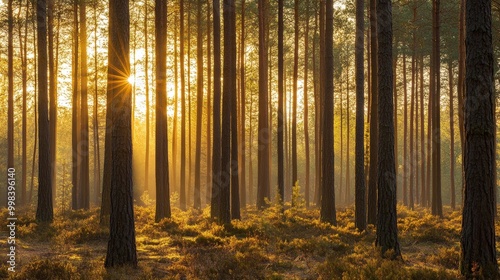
10	75
360	191
347	158
243	187
52	95
216	148
387	230
372	182
320	102
84	194
162	171
23	43
75	127
423	196
182	190
264	137
146	87
411	165
35	113
228	93
199	109
461	77
44	211
405	135
395	93
478	258
429	137
231	55
328	193
281	81
306	107
174	166
209	108
294	98
437	205
121	246
452	138
97	152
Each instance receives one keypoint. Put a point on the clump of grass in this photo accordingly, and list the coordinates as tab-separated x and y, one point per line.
430	274
333	267
41	269
79	231
426	228
206	239
446	257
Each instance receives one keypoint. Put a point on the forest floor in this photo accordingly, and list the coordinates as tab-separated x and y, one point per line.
263	245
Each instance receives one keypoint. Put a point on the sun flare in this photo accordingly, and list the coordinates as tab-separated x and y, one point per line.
131	79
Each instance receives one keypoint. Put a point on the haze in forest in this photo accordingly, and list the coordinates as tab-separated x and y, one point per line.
366	116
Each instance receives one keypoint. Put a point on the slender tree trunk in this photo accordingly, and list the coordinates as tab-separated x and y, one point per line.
146	87
360	191
461	86
328	193
199	109
341	174
10	75
422	137
35	109
286	138
281	81
416	159
387	230
176	105
369	97
294	98
317	163
348	138
228	93
452	138
182	191
44	211
84	194
243	187
264	137
395	93
411	165
251	191
461	77
75	111
306	106
23	42
97	152
121	246
372	183
437	205
52	95
429	137
231	56
321	95
405	135
209	108
216	148
478	258
189	186
162	175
